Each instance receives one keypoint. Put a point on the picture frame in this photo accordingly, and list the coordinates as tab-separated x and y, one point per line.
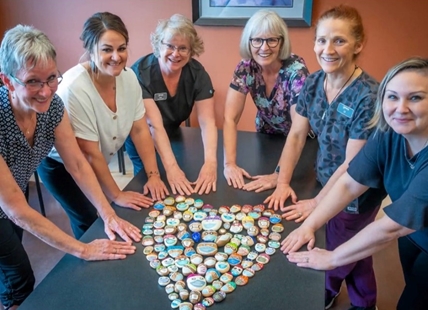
296	13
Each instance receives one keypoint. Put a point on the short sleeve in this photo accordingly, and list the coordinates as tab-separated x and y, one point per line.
204	88
365	167
142	72
363	114
242	77
301	106
298	74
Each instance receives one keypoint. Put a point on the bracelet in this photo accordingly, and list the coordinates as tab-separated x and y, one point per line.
152	173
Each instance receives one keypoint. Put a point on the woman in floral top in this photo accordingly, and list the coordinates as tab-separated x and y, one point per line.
273	76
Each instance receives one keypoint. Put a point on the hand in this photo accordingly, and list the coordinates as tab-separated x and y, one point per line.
102	249
262	183
316	259
178	181
235	175
124	229
299	211
297	238
133	200
156	187
279	196
207	179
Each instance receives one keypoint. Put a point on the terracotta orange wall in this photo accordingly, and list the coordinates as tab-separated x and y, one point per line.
396	29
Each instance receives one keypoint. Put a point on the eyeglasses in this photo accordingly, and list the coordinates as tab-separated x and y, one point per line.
35	85
271	42
182	50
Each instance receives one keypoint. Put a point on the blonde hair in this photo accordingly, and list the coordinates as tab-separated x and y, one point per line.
265	21
176	25
417	64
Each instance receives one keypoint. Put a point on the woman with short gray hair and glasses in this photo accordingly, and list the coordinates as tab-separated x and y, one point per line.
32	120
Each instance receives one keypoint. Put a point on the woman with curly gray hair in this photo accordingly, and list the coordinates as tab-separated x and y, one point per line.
173	82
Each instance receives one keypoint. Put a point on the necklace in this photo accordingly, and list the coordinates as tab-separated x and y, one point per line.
412	161
26	130
343	86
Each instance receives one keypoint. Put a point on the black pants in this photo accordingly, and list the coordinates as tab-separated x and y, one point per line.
65	190
16	276
415	268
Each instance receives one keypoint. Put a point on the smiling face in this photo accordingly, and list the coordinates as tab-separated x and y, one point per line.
40	100
172	58
335	46
405	104
110	54
265	55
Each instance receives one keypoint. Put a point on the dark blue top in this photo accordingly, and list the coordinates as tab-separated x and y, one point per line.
344	118
383	162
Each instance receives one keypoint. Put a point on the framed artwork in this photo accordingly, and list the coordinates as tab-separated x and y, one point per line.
296	13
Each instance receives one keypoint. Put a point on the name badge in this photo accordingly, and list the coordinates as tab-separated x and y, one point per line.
160	96
345	110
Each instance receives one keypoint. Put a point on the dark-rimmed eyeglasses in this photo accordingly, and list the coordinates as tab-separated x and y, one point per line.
182	50
35	85
271	42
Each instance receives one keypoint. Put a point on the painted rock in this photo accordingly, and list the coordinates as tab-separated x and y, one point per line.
159	232
257	267
147	232
184	294
163	281
176	276
235	208
182	227
185	306
222	267
151	257
168	261
168	210
226	226
240	216
198	203
255	215
179	198
263	258
161	218
188	269
268	212
252	255
243	250
211	223
195	226
260	247
277	228
226	277
162	255
181	261
228	287
147	240
211	275
172	221
209	236
199	216
169	288
187	216
182	206
217	284
184	234
195	297
223	239
189	251
178	215
206	248
196	259
219	296
210	262
147	226
247	240
247	222
175	250
222	231
241	280
275	218
264	232
155	263
262	239
172	268
170	230
253	231
172	296
192	209
213	212
179	286
247	208
247	263
207	207
190	201
221	256
149	220
170	240
199	306
275	236
259	208
162	270
208	291
169	201
230	248
228	217
147	250
248	272
158	206
270	251
196	282
236	270
274	244
234	259
236	227
154	213
263	222
187	242
176	303
201	269
158	239
223	209
208	302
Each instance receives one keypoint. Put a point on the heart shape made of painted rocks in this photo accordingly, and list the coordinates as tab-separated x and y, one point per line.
202	254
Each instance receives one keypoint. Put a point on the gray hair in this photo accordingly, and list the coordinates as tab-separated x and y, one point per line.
23	47
176	25
261	22
417	64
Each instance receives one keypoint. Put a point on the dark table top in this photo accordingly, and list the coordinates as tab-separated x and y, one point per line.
132	284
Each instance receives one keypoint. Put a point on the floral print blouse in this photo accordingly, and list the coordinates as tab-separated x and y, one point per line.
273	110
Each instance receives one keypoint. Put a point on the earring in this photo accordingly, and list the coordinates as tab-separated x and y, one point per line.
93	66
13	95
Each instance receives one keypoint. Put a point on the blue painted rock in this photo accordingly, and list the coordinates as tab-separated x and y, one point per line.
196	282
206	248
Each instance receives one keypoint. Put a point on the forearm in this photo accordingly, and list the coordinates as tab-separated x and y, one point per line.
371	239
229	141
289	157
163	146
146	152
209	139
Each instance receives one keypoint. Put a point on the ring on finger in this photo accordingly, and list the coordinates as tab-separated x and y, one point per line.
299	215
